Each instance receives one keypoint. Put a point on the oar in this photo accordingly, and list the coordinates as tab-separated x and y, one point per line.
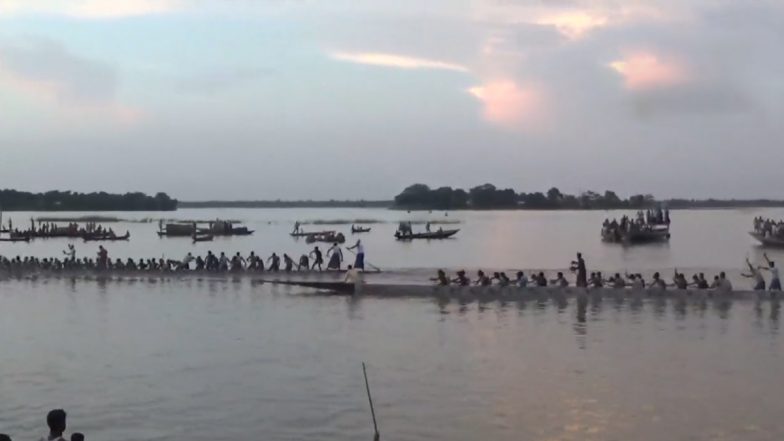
368	263
376	435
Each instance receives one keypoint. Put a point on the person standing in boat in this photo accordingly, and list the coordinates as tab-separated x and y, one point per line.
296	228
579	266
318	258
288	263
103	257
335	255
304	262
775	282
359	261
274	262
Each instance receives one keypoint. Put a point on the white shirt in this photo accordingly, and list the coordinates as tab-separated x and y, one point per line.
522	282
725	285
774	273
353	276
360	249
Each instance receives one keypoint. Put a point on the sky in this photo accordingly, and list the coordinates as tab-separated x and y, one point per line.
321	99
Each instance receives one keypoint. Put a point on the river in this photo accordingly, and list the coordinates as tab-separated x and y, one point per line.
202	359
206	360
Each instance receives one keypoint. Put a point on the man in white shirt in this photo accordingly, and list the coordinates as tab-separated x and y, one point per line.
354	276
55	419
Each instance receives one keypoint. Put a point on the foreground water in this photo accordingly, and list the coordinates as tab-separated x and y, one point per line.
701	239
205	360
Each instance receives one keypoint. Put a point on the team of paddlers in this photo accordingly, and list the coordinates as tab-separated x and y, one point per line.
597	280
314	260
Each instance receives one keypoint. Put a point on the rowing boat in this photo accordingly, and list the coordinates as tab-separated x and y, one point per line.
648	235
440	234
311	233
106	237
768	241
355	230
15	239
496	292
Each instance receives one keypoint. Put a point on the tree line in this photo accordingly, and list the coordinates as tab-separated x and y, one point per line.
13	200
487	196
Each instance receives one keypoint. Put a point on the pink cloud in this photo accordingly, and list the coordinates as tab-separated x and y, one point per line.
510	105
643	71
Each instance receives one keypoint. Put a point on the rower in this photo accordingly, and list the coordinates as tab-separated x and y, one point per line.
482	279
461	279
304	262
441	278
359	261
560	281
275	265
503	280
703	283
759	281
775	282
724	283
541	280
658	283
318	259
522	280
288	262
296	227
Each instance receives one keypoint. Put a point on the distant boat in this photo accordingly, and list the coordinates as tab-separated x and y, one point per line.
203	238
311	233
106	237
356	230
15	239
774	242
440	234
653	233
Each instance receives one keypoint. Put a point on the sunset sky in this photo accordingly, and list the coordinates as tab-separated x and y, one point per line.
267	99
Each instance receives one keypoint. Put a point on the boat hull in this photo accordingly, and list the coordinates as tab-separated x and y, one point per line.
771	242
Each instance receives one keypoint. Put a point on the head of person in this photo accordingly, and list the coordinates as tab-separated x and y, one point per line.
441	273
695	277
722	275
519	274
617	275
77	436
579	255
55	419
560	275
350	267
656	276
4	437
772	264
496	275
480	273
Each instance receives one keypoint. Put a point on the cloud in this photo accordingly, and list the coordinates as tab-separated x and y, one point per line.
508	104
89	9
46	71
396	61
643	70
574	24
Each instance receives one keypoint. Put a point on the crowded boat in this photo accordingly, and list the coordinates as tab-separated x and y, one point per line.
648	226
769	232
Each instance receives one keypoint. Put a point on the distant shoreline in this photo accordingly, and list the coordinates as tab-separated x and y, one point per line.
673	204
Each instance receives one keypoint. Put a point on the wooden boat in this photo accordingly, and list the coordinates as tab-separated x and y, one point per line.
355	230
203	238
330	238
311	233
15	239
106	237
773	242
510	292
440	234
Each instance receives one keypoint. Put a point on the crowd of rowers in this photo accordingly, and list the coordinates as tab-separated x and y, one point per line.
769	227
597	280
314	260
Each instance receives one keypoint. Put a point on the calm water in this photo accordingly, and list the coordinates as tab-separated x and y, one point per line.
213	360
711	239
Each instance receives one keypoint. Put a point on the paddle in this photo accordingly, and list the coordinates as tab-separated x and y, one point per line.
376	435
377	269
